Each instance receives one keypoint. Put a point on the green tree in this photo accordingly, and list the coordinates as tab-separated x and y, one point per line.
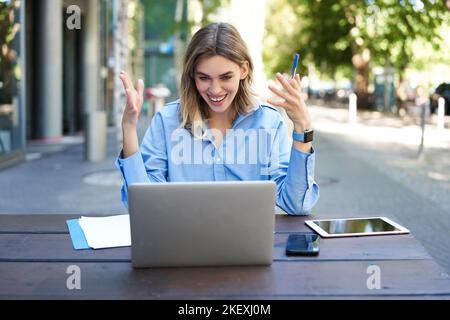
210	7
8	31
358	33
159	18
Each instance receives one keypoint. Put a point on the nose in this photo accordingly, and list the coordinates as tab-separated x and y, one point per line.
215	87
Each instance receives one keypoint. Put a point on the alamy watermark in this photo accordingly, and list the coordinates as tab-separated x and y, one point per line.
374	279
73	22
73	281
243	147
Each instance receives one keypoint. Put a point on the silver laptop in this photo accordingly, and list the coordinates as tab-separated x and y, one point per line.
202	223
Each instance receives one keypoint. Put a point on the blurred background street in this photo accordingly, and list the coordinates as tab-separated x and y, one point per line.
376	78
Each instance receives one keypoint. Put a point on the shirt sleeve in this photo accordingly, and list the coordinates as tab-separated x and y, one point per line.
149	164
293	172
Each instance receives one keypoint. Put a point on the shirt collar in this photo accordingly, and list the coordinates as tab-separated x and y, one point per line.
242	116
239	118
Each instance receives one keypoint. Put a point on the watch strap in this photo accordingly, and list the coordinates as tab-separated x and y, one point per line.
305	136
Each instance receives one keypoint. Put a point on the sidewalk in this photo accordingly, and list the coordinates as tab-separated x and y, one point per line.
56	179
393	147
379	154
380	127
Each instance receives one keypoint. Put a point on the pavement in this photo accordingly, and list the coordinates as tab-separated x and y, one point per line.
362	166
55	179
374	163
392	145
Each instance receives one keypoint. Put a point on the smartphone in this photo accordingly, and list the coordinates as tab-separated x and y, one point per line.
304	244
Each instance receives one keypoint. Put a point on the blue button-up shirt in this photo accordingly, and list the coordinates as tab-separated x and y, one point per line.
257	147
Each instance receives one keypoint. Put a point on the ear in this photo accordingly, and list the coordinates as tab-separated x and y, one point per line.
244	70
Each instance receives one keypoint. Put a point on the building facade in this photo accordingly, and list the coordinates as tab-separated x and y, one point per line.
58	70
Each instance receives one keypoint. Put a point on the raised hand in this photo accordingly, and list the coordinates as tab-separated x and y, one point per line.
135	98
130	117
293	102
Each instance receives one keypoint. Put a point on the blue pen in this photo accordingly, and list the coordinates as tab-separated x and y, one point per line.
294	66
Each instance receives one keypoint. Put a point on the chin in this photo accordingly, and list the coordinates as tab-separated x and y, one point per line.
219	109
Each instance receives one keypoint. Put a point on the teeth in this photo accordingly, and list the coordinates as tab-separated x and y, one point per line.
217	99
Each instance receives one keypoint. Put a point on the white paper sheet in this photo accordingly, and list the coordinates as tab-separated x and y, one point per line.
107	232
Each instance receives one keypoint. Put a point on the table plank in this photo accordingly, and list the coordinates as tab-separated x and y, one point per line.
285	223
395	247
35	223
36	250
283	280
58	247
57	223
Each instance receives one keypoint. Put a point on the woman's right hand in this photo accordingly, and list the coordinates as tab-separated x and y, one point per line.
135	98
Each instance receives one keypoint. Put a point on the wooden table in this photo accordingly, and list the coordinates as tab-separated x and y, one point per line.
36	250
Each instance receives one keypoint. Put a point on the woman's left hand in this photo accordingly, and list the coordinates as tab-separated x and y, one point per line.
293	102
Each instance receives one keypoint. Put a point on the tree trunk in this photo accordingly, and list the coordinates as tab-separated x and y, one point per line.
361	63
400	91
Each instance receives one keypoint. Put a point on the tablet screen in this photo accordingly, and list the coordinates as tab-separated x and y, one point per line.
356	226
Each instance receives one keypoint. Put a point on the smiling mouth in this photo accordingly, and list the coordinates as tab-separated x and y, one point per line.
218	99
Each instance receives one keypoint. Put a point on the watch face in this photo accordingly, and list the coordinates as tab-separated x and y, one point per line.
309	136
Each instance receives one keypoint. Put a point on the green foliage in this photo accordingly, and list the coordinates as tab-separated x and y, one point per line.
324	32
159	18
6	26
333	31
210	7
8	31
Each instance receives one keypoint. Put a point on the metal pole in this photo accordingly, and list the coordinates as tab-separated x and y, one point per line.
422	126
352	108
387	88
441	113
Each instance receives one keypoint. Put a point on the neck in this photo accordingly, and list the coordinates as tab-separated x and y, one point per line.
222	120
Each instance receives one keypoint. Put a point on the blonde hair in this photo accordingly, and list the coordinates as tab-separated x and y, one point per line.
220	39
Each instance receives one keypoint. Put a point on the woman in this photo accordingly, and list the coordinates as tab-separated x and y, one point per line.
216	131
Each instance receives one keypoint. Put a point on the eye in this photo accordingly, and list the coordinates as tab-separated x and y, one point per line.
226	78
203	78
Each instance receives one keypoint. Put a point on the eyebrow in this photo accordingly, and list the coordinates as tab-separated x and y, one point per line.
224	74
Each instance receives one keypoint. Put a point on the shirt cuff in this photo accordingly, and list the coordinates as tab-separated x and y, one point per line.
302	165
132	168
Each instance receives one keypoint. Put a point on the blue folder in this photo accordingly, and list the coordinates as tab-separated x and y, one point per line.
77	235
